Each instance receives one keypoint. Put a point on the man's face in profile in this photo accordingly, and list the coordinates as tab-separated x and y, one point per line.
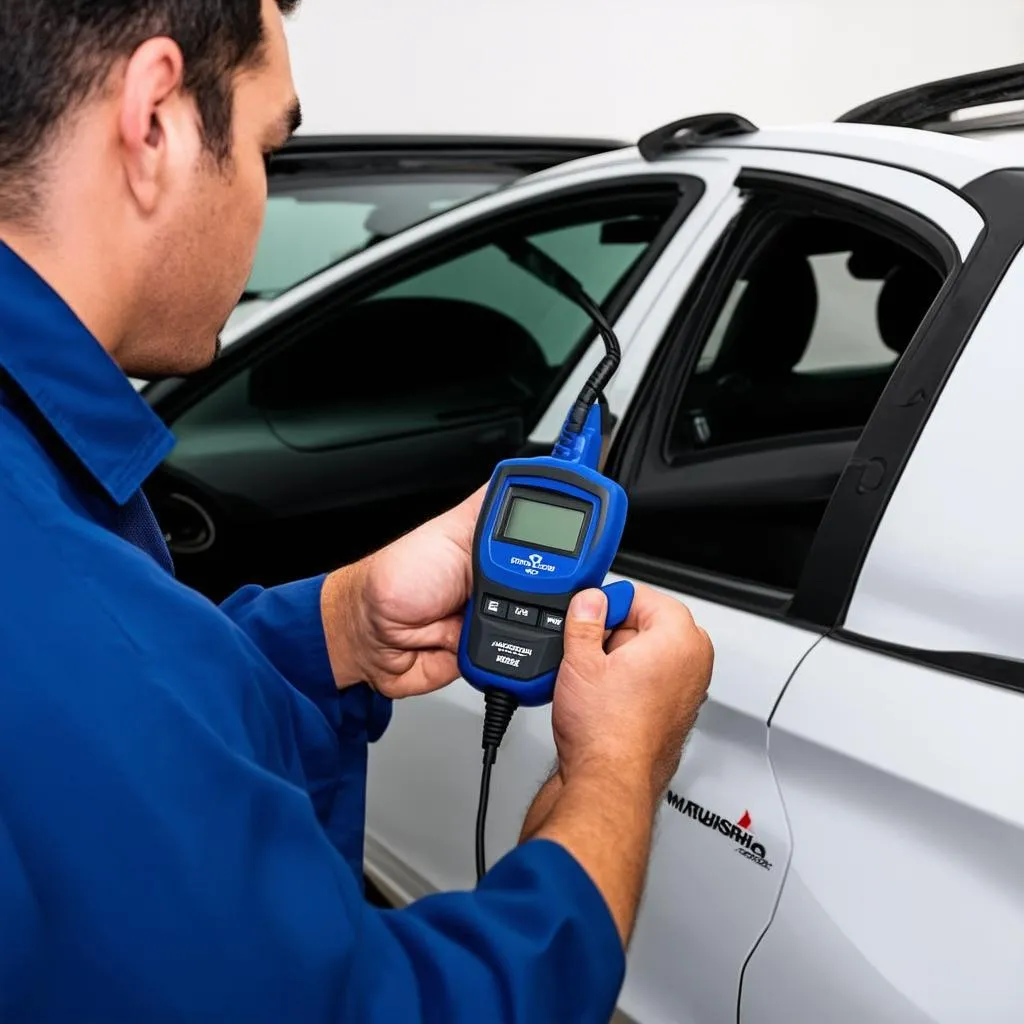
203	243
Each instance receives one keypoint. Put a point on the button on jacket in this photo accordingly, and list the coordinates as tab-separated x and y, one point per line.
181	785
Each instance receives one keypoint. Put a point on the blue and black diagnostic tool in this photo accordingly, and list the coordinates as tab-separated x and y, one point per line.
549	528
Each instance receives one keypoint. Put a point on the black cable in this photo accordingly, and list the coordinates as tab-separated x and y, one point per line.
538	263
501	707
605	370
490	755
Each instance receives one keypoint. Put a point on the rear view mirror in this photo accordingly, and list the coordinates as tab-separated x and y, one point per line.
631	231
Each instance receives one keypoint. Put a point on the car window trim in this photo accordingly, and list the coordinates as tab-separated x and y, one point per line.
729	591
680	349
1007	673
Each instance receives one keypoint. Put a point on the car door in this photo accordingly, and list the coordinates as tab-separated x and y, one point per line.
761	397
730	452
365	407
896	745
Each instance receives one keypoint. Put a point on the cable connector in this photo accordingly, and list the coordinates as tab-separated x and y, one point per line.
500	707
582	445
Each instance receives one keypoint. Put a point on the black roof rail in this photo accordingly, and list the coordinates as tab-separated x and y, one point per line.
692	131
987	123
933	104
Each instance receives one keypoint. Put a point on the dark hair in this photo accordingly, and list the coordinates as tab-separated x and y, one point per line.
55	54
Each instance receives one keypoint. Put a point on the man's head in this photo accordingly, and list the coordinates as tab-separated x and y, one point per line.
133	143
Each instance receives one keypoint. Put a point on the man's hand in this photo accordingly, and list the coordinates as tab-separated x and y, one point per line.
393	620
628	705
621	714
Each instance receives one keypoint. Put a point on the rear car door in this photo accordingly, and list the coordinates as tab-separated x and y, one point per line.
755	410
896	745
752	408
366	406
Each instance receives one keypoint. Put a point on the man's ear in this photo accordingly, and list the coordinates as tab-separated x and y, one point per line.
154	118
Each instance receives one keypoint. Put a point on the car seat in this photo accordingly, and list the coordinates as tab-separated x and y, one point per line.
408	347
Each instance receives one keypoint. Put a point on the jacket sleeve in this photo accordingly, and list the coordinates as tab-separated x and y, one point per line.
192	881
534	942
286	625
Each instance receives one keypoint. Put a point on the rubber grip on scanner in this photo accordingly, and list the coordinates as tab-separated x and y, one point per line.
620	600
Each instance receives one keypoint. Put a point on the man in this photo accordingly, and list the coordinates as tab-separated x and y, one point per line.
182	785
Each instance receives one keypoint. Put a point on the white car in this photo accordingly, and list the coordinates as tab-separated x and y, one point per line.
819	422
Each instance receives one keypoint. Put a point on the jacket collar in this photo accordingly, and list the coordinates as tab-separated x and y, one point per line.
74	384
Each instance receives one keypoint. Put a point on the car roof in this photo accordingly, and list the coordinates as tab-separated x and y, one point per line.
934	129
430	143
464	154
952	159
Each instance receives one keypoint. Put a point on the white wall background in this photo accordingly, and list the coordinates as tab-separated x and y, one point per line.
620	67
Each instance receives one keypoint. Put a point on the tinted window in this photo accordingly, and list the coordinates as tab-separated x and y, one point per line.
806	337
487	278
802	343
468	337
313	222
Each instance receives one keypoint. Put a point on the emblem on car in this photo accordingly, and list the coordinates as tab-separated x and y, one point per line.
739	832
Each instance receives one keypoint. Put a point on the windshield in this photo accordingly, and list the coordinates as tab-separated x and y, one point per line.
313	223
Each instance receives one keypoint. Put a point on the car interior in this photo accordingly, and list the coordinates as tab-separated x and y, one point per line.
343	365
755	387
816	321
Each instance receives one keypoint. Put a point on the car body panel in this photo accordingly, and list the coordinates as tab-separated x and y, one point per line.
917	588
904	792
423	781
947	158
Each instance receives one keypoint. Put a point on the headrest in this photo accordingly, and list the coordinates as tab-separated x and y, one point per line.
903	301
774	319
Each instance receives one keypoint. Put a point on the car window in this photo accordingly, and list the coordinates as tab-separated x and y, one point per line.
806	337
803	341
487	278
466	337
313	222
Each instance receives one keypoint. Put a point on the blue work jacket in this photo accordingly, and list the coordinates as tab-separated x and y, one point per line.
181	785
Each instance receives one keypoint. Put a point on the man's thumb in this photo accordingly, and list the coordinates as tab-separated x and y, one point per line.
584	627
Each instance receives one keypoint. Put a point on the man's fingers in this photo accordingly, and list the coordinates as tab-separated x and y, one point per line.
432	670
621	636
441	635
584	629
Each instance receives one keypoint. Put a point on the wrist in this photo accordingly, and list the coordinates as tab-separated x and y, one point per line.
341	609
543	803
635	777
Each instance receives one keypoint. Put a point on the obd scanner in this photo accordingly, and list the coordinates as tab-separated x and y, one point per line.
549	527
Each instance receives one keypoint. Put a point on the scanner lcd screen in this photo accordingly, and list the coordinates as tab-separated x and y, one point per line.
549	526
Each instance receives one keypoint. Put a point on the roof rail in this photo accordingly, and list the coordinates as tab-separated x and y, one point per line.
971	125
932	105
690	132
